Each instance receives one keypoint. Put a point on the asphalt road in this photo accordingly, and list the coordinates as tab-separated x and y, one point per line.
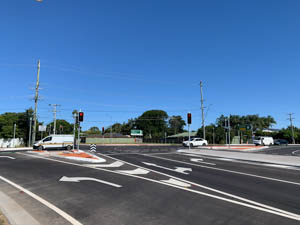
283	150
211	191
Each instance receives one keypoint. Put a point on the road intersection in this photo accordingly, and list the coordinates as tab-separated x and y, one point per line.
152	187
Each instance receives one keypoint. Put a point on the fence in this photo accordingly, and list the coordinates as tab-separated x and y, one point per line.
11	143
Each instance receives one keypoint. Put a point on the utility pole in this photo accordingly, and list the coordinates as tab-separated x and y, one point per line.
36	98
213	134
54	116
14	135
202	110
291	120
30	124
229	130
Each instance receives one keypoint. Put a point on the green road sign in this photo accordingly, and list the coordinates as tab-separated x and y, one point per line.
245	127
136	133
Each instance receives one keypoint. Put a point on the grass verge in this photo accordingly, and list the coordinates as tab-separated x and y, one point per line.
3	220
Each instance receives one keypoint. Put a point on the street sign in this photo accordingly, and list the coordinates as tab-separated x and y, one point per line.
245	127
42	128
93	147
136	133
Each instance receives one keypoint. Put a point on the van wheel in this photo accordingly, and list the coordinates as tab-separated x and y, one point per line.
191	145
69	147
41	148
203	144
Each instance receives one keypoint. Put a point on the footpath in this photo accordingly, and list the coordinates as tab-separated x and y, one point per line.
263	158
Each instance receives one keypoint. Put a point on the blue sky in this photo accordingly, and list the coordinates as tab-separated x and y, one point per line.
117	59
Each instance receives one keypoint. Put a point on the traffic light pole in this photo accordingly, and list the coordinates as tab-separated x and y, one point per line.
78	140
189	137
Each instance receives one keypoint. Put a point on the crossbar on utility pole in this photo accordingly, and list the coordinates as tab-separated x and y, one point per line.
291	120
202	110
36	98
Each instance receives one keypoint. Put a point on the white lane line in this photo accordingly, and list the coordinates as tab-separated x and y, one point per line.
229	171
294	152
78	179
177	183
9	157
137	171
44	202
178	169
258	206
112	165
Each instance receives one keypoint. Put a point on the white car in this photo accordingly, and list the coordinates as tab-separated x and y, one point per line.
195	142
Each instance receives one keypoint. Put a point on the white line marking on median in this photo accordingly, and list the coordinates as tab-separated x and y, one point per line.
78	179
177	183
112	165
44	202
294	152
230	171
264	208
9	157
137	171
178	169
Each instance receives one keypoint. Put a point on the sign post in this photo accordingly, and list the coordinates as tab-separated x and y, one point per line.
189	120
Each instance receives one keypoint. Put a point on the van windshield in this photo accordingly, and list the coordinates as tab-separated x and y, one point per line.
47	139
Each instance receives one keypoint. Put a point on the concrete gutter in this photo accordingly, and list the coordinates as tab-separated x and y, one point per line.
263	158
14	213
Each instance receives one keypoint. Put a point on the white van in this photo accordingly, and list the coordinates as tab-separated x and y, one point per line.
55	142
263	141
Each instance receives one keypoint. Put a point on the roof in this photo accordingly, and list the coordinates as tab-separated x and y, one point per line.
184	134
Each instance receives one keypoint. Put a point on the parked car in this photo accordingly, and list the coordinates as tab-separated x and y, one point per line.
195	142
263	141
55	142
281	142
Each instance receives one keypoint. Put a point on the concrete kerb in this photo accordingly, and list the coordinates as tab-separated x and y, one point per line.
15	214
15	149
244	156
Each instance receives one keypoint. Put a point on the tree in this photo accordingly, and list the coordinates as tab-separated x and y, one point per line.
176	124
62	127
153	123
93	130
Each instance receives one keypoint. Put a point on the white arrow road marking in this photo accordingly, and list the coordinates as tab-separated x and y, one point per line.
7	157
182	169
78	179
178	169
176	182
112	165
196	160
135	171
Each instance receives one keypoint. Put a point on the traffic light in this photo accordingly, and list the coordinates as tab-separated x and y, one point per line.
80	117
189	118
102	130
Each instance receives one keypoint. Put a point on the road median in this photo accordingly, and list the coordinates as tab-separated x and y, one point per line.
263	158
